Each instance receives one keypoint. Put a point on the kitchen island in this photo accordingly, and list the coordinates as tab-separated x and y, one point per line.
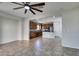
48	35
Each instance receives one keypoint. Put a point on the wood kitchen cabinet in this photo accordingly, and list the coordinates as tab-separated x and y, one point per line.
33	25
35	34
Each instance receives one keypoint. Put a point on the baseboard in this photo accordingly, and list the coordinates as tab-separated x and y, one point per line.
7	41
70	47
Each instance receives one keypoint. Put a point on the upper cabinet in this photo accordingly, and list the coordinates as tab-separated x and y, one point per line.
48	27
33	25
44	27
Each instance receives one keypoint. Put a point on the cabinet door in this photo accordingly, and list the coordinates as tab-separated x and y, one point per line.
33	25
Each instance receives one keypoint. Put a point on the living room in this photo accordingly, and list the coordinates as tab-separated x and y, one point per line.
15	29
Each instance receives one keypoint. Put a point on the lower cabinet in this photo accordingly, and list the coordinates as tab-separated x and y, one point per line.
35	34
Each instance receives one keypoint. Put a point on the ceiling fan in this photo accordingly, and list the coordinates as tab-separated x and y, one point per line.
29	7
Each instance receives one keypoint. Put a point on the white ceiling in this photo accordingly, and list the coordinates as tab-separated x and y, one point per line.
50	8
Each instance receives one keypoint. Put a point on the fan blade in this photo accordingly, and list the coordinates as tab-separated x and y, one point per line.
32	11
37	9
38	4
25	11
18	8
17	3
27	2
23	3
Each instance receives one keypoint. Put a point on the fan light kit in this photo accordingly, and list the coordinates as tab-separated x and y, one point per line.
27	6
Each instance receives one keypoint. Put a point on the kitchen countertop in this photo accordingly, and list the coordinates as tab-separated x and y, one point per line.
35	30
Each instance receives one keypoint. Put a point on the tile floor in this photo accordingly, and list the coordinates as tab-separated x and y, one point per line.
70	51
35	47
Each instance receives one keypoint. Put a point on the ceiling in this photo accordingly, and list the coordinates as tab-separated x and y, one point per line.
50	8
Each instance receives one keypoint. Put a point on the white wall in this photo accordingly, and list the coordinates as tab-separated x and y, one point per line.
58	26
10	28
13	28
71	28
26	29
20	29
0	31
